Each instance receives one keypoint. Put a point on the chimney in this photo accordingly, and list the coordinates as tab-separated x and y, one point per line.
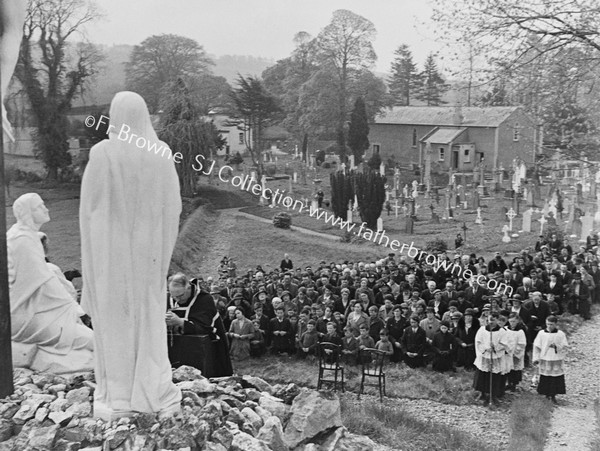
457	117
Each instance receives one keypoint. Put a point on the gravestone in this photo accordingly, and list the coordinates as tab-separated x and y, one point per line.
409	225
476	203
349	218
530	198
511	215
314	205
542	221
405	191
527	220
479	219
295	177
415	189
587	225
506	237
379	224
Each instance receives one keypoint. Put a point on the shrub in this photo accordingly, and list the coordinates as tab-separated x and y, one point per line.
436	246
326	165
270	170
375	162
282	220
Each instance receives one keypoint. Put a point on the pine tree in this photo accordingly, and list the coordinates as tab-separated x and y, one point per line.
433	85
358	133
404	80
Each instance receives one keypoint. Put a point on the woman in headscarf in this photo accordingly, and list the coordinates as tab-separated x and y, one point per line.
44	317
129	220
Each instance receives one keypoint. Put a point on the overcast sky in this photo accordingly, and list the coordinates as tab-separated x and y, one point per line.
263	27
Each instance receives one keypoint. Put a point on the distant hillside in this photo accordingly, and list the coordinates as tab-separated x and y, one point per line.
229	66
111	78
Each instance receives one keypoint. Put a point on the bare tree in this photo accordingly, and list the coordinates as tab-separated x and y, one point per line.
52	71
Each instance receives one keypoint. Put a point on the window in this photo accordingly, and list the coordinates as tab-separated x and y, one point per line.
516	133
441	156
375	148
467	158
414	137
241	135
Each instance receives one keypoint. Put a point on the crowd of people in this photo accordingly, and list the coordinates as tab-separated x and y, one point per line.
417	314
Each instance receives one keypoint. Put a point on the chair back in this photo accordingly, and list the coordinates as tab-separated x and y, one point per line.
329	354
372	361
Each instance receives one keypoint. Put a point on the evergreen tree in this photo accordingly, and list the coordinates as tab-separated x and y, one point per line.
404	80
433	85
341	193
358	133
369	187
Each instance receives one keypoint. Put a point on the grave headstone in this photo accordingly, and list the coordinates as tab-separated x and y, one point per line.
527	220
295	177
587	225
409	228
479	219
415	189
351	160
506	237
379	224
349	218
405	191
314	205
396	207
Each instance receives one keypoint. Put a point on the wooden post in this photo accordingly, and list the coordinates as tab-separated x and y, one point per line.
6	371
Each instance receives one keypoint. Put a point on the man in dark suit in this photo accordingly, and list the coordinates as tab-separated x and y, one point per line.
413	343
579	297
474	295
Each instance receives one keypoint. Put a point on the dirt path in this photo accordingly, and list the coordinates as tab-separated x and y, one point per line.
574	423
220	243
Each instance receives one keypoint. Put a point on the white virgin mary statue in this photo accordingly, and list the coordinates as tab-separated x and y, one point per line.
47	334
129	220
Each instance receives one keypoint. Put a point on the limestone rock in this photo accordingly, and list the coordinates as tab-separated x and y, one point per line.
6	429
8	410
287	392
145	420
175	438
272	434
56	388
42	379
186	373
252	394
81	410
235	416
58	405
41	414
257	383
275	406
43	437
78	395
212	446
263	413
252	417
223	436
245	442
312	413
198	386
60	418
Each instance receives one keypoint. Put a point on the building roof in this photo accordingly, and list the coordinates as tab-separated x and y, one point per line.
444	115
444	135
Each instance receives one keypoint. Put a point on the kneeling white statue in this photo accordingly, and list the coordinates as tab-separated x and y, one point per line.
47	334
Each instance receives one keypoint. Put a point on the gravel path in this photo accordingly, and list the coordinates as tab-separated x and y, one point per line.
574	423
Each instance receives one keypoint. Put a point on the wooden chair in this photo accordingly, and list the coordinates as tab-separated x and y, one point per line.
329	362
372	361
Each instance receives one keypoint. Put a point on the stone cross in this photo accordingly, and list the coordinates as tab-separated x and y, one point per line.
396	207
415	191
511	215
343	167
542	221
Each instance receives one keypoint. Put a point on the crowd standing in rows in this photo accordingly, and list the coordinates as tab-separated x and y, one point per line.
418	314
